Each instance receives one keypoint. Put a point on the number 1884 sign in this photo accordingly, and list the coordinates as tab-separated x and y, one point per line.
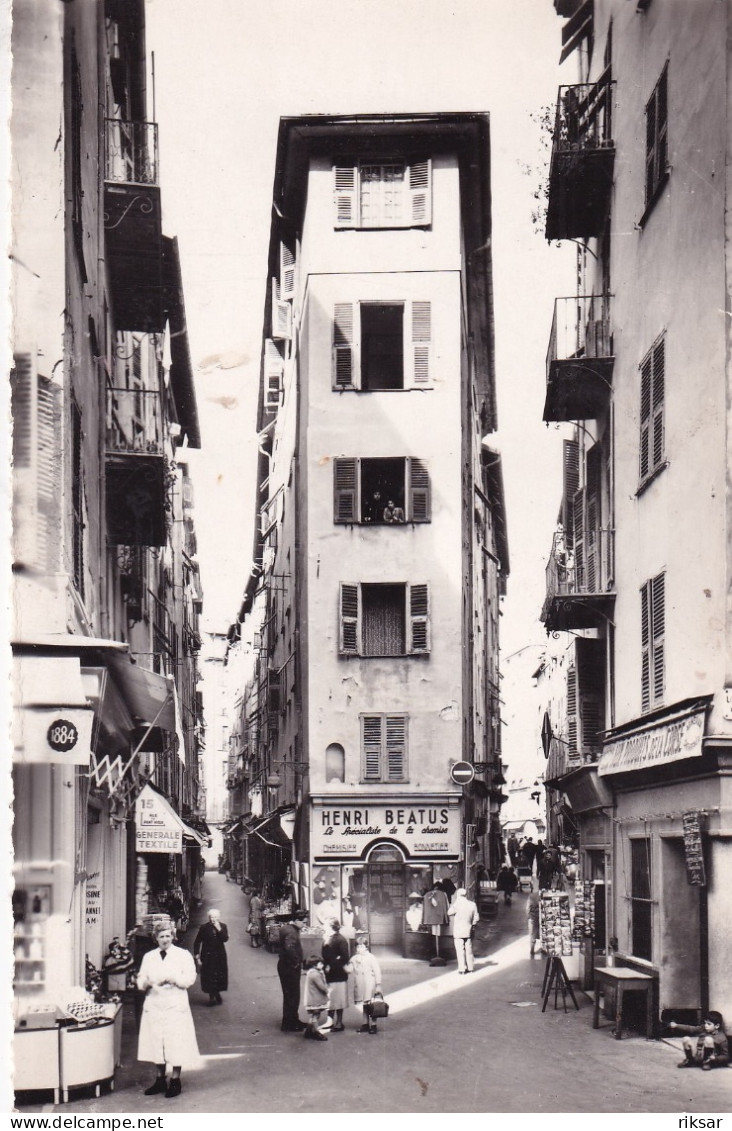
62	735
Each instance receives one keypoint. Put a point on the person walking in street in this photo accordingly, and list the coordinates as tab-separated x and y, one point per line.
507	882
528	851
209	952
336	957
464	915
366	983
255	919
513	849
289	970
167	1033
532	918
317	998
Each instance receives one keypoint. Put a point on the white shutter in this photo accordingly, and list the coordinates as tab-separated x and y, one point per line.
281	315
419	492
349	620
274	369
288	272
420	192
421	344
36	412
419	619
344	346
345	185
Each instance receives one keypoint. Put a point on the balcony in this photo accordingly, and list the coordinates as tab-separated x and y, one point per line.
133	225
579	582
579	361
135	468
583	156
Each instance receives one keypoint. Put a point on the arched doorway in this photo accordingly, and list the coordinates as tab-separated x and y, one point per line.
385	895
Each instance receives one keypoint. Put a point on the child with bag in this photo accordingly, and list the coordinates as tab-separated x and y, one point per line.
366	982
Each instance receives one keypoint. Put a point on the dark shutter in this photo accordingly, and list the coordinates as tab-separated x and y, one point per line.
658	629
645	415
396	747
572	710
371	747
645	648
658	394
420	503
571	485
345	490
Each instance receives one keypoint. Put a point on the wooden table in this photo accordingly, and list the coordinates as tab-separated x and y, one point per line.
621	978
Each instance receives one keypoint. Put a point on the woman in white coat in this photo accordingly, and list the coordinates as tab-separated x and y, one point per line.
167	1034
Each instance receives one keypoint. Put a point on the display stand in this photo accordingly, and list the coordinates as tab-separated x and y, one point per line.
556	976
437	959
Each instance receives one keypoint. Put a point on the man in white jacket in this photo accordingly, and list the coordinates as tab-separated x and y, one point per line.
464	915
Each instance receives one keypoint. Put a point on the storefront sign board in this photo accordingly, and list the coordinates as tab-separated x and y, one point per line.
157	826
658	745
425	830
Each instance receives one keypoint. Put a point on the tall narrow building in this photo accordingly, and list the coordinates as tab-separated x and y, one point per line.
380	552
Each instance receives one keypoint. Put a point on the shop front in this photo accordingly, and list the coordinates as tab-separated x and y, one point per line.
374	864
168	858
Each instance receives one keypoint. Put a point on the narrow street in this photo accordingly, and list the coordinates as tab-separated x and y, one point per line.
478	1044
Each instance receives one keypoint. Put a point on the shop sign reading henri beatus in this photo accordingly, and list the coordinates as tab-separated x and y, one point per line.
423	830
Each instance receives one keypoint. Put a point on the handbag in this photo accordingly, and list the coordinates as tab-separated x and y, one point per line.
377	1007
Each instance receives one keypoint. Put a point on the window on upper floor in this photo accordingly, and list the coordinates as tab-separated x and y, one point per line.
653	380
383	194
657	139
653	644
384	620
384	748
380	491
379	346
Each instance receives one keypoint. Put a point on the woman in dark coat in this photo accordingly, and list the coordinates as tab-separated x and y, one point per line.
210	955
336	958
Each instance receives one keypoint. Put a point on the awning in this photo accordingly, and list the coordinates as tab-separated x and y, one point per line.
272	829
158	828
70	641
150	697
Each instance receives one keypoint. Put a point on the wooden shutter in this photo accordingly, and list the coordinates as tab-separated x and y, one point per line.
421	343
420	502
288	272
371	743
396	748
578	544
658	629
343	346
420	192
572	710
571	484
36	412
349	620
657	399
281	315
657	135
345	183
592	531
645	647
419	619
645	415
274	371
345	490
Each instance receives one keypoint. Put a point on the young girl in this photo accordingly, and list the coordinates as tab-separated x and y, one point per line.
366	981
317	998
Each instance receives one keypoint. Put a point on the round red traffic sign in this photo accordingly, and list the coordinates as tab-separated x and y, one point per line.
462	773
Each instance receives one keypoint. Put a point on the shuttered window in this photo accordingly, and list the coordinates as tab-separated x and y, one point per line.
384	748
657	137
653	388
37	426
382	194
363	488
288	272
274	370
281	315
653	631
382	345
571	485
384	620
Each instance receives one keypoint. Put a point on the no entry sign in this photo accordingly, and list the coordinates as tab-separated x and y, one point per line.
462	773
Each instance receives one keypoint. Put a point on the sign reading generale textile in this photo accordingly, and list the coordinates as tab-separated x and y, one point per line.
669	742
430	830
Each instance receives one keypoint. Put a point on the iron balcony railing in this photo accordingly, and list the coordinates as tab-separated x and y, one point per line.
582	569
134	421
584	117
131	152
580	329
